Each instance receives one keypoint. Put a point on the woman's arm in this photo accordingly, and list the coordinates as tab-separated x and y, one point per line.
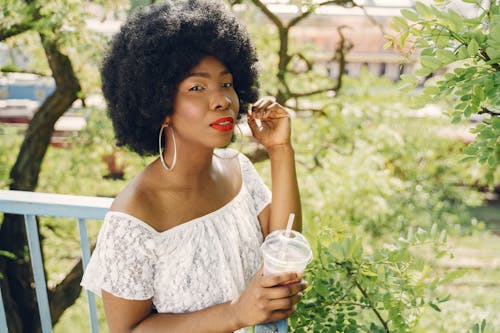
286	197
274	133
264	300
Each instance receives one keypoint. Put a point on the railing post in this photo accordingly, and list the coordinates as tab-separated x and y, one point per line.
38	273
3	319
31	204
85	247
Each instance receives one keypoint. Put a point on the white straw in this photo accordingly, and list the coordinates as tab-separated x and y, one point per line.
289	224
287	235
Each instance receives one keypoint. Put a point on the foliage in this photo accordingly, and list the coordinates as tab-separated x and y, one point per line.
467	49
65	20
478	328
292	63
370	167
384	291
84	165
367	148
380	167
375	170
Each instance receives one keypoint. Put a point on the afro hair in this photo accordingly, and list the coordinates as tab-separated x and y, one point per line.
155	49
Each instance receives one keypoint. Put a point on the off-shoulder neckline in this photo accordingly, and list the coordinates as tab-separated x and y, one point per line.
188	223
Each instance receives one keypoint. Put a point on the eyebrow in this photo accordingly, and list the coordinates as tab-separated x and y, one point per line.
207	75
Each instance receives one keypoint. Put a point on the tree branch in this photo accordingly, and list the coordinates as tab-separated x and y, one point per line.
303	58
313	92
18	28
486	57
379	316
66	292
14	30
485	110
310	10
343	47
270	15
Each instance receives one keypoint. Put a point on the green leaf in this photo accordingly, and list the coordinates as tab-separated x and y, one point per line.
434	230
430	62
401	22
428	51
456	18
483	325
431	90
410	234
468	158
471	150
496	123
435	307
462	52
7	254
410	14
473	48
423	10
492	160
446	56
493	53
337	251
495	32
402	39
367	272
422	72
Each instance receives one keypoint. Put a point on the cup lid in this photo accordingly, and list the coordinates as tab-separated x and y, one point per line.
287	248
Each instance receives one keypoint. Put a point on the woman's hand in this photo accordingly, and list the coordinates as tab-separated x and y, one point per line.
274	128
268	299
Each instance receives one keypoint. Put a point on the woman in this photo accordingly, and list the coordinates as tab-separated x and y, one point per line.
179	248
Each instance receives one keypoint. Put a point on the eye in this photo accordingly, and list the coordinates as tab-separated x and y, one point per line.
227	85
196	88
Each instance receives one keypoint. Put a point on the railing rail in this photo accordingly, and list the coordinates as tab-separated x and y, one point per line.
32	204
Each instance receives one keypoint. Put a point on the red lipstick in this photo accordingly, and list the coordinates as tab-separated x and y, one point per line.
225	124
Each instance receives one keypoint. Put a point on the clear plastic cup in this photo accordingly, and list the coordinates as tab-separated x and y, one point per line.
283	251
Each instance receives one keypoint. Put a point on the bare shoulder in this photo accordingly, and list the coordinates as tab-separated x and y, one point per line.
136	199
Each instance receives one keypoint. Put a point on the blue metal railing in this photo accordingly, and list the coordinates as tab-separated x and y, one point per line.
31	204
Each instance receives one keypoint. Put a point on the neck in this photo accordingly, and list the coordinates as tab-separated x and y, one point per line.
193	167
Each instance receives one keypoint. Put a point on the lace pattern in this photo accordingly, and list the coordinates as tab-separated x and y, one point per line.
202	262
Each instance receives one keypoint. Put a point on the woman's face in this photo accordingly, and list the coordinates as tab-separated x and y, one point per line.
206	105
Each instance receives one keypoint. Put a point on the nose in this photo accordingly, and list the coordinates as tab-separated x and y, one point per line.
221	102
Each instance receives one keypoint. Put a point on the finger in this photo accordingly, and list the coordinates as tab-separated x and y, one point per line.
264	99
252	123
258	104
264	103
286	290
260	111
282	314
276	279
257	112
286	303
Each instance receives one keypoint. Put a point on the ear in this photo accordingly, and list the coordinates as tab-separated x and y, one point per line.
167	120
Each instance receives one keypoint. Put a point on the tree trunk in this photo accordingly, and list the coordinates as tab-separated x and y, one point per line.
17	282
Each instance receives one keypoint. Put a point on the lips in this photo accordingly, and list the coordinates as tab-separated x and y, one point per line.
223	124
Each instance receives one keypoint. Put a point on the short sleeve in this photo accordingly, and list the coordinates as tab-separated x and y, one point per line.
123	261
259	192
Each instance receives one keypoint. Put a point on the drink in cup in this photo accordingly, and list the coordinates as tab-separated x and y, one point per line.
283	251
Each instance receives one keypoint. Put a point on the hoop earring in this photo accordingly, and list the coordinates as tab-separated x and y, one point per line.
224	157
165	166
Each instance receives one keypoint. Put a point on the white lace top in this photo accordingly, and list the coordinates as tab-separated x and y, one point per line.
206	261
